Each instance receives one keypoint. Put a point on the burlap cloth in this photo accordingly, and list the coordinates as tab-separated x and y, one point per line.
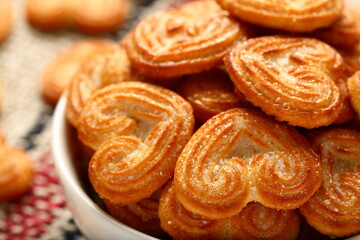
26	123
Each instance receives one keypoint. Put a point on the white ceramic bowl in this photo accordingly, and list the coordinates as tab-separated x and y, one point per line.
92	220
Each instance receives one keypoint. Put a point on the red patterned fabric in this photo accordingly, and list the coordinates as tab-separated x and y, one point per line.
31	215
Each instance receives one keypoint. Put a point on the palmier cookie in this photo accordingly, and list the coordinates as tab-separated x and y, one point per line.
142	216
344	33
335	208
138	131
210	93
290	78
93	17
184	40
16	172
353	84
293	16
255	221
99	70
59	72
6	19
242	155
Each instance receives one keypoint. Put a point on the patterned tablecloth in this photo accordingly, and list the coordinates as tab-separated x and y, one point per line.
25	119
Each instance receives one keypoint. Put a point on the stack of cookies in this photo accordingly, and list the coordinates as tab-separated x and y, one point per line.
231	119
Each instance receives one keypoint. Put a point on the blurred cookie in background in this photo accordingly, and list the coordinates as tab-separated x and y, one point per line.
6	19
91	17
344	33
293	16
60	71
16	171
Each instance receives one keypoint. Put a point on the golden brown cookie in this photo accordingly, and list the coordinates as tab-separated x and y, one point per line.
344	33
138	130
142	216
335	208
289	15
6	19
105	16
184	40
210	93
16	172
92	17
99	70
353	84
48	15
291	78
60	71
242	155
254	222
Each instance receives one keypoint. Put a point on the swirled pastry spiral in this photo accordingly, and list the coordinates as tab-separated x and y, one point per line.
291	78
180	223
353	84
242	155
101	69
289	15
142	216
92	17
60	71
254	222
6	19
335	208
344	33
16	172
184	40
138	131
210	93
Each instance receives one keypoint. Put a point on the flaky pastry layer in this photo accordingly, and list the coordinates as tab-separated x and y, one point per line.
289	15
335	208
184	40
99	70
142	216
344	33
138	130
242	155
255	221
291	78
